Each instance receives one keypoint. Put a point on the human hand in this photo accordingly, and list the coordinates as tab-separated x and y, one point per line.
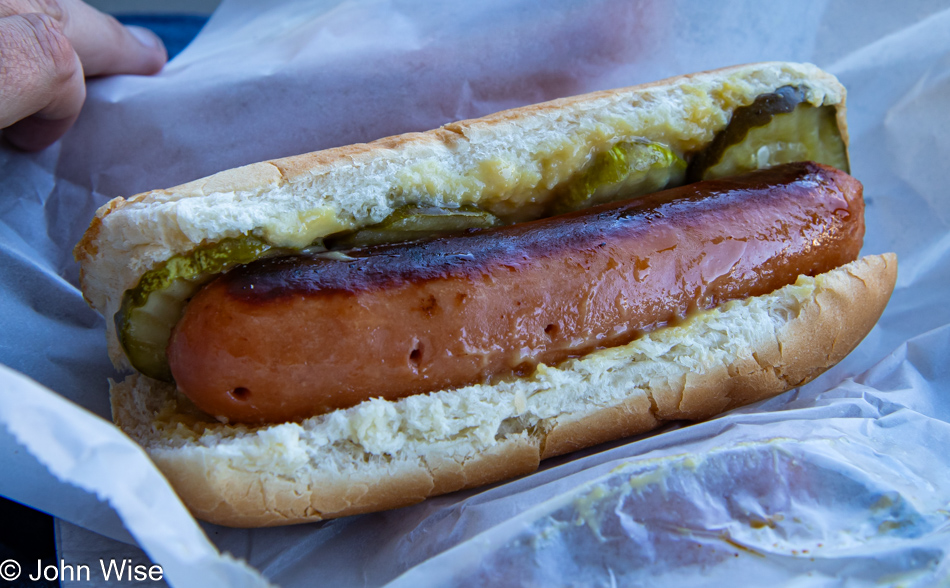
47	48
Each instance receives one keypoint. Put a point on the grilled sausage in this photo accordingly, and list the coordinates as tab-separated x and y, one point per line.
287	338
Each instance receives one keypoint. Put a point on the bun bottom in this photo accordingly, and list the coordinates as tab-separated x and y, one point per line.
380	454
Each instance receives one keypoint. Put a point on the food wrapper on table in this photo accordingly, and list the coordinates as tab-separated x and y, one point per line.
845	479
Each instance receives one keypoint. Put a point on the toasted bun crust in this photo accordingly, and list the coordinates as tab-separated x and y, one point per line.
506	162
382	454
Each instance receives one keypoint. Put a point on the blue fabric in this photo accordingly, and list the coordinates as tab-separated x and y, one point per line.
175	30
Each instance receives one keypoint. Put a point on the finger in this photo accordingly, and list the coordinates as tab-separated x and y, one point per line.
41	81
104	46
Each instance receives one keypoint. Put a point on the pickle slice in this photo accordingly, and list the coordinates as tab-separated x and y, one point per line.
412	222
626	170
150	310
776	128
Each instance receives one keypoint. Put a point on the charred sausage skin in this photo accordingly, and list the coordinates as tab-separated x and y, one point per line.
292	337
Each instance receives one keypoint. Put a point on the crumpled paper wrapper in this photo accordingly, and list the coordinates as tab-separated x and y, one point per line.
843	481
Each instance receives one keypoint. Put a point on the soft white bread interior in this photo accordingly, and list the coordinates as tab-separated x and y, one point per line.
507	163
382	454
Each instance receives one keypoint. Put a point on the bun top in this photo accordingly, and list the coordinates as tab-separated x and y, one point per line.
507	163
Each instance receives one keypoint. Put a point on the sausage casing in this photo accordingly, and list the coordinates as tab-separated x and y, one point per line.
291	337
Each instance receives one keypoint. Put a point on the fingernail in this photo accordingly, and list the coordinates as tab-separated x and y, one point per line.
146	37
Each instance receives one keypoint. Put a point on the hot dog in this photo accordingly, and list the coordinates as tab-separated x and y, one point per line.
420	390
392	321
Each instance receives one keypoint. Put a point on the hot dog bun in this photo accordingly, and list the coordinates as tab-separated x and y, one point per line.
383	454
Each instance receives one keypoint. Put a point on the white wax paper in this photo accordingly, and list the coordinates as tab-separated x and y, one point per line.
842	482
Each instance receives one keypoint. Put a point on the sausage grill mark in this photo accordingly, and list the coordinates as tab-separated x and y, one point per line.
304	335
